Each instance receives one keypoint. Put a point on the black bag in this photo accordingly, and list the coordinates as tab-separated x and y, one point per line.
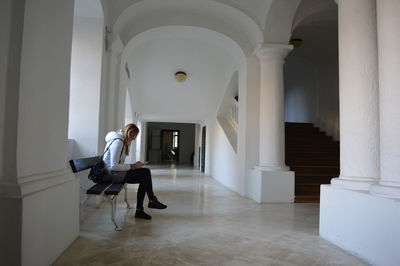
98	173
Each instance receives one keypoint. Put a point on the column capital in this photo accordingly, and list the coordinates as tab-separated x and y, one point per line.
272	51
113	43
115	56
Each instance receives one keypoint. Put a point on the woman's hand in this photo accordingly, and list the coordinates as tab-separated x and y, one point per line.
138	164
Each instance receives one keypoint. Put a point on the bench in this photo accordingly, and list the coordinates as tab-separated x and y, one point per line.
108	190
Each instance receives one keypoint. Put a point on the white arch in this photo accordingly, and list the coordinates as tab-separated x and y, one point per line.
315	10
202	35
207	14
278	25
186	32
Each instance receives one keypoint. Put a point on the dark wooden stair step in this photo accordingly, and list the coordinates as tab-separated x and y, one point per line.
306	199
315	169
313	179
307	162
313	156
307	189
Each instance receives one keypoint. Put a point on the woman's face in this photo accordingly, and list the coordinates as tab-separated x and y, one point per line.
132	136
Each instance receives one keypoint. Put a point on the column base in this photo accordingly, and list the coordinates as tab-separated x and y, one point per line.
361	223
385	191
41	217
271	186
272	167
355	183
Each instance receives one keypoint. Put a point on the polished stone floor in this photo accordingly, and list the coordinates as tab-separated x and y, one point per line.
205	224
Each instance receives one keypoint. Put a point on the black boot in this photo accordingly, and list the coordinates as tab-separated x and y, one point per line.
142	215
155	204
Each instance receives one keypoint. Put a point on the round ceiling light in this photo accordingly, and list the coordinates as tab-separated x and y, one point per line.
297	42
180	76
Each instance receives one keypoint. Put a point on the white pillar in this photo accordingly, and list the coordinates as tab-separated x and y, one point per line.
389	97
115	95
358	95
270	180
272	115
39	197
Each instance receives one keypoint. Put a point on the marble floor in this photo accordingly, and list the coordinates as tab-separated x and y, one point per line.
205	224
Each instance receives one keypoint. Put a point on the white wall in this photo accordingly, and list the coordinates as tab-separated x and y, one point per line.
311	76
87	46
300	79
222	162
312	93
328	100
251	77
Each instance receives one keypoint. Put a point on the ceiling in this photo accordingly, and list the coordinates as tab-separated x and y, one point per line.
256	9
155	94
208	59
316	23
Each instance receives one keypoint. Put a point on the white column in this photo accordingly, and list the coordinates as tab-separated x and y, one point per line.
270	180
39	200
389	97
113	99
272	115
358	95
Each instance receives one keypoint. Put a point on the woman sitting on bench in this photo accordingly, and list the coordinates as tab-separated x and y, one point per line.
117	143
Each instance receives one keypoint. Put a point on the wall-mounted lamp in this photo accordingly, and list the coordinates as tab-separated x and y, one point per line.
180	76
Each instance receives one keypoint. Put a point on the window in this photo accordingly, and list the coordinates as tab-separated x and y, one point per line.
175	139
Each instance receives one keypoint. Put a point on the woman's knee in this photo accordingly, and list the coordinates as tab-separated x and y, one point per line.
144	172
147	171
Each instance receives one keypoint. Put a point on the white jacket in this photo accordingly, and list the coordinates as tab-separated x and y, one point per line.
112	159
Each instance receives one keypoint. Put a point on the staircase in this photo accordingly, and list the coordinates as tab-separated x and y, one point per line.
313	156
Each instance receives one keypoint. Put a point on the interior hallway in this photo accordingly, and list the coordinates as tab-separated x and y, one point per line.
205	224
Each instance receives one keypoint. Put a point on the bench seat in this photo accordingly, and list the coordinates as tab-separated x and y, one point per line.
97	189
108	190
114	189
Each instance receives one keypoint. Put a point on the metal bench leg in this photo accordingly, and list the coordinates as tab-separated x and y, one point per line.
126	197
113	209
98	201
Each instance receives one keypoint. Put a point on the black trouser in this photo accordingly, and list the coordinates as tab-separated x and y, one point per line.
141	176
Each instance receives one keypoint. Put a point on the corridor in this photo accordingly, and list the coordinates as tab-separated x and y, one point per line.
205	224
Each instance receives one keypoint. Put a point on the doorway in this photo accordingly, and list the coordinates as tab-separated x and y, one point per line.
170	146
203	150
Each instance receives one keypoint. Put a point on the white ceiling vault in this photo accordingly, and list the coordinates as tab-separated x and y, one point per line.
208	39
208	58
255	9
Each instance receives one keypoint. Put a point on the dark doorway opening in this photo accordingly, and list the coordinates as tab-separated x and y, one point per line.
203	150
170	146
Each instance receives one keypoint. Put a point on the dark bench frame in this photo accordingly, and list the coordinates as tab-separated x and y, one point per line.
107	190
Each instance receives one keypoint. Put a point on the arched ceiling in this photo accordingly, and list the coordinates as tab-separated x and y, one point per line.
209	59
316	23
279	21
209	39
314	11
255	9
213	15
